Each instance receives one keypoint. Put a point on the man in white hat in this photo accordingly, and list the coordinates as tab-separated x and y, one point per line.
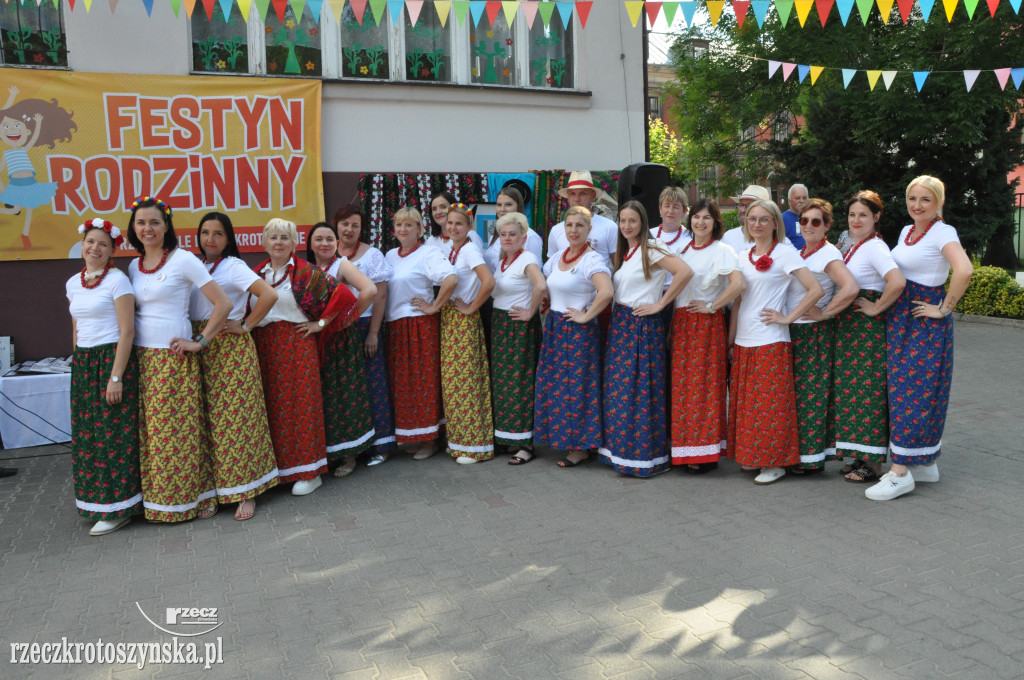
734	237
603	232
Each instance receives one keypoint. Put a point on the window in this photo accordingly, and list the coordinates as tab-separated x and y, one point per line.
551	54
493	58
220	46
428	47
365	52
33	35
654	104
292	47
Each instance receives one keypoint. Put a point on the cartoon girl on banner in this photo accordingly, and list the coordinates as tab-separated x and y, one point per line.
23	125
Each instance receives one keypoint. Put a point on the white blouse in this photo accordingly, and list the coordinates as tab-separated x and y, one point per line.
415	276
711	267
924	262
93	308
765	290
445	244
469	258
869	264
816	263
631	288
235	277
678	239
574	287
604	237
512	287
286	308
373	265
534	245
162	298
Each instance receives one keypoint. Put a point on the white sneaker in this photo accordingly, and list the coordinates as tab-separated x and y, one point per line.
770	475
890	486
926	473
106	526
306	486
466	460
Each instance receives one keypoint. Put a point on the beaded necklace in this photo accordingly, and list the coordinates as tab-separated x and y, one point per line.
99	277
161	263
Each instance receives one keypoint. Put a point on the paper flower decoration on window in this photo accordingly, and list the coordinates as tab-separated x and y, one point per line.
364	70
508	41
222	64
505	73
273	66
550	80
310	66
313	32
290	23
268	30
39	58
490	34
476	71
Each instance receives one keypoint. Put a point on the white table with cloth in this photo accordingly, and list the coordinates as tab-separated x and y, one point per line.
35	409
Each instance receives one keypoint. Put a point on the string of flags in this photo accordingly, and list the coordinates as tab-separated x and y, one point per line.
803	71
784	8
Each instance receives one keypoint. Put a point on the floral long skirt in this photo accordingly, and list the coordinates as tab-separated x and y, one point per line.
567	403
236	417
635	431
860	398
104	437
699	387
414	371
812	378
762	407
290	370
174	452
466	385
515	349
380	393
920	367
347	420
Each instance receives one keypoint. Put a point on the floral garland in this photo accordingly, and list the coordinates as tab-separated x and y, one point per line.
97	223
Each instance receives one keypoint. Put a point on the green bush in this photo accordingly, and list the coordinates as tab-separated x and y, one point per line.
993	292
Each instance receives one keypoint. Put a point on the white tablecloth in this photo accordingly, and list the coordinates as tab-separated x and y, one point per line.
35	410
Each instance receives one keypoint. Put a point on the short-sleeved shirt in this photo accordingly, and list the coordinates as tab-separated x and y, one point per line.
512	287
534	244
414	276
235	277
675	242
445	244
734	239
93	308
469	258
765	290
286	309
631	288
816	263
574	287
373	265
162	298
604	237
924	262
869	263
711	267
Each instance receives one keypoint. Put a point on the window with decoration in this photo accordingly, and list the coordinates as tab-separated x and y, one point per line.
33	35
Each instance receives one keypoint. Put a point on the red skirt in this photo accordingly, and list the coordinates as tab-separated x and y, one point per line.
762	410
414	372
290	371
699	380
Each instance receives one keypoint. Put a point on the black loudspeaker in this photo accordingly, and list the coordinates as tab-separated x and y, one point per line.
644	182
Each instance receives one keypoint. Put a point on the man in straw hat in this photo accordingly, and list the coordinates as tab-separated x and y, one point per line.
734	237
603	232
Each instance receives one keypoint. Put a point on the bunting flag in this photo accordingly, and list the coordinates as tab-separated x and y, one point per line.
787	70
864	7
413	7
773	66
905	6
1016	6
689	8
634	8
970	77
546	9
244	6
476	10
845	7
1018	75
971	5
565	11
583	11
297	6
992	6
443	9
509	9
337	7
492	8
668	9
208	5
175	6
1002	74
815	72
888	77
926	8
739	8
824	8
530	12
873	75
262	6
149	7
113	5
280	7
377	8
225	7
652	9
802	72
784	8
919	78
358	9
848	74
803	10
760	11
461	8
715	10
950	6
885	9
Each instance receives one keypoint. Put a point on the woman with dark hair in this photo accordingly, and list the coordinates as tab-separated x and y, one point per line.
236	417
635	433
104	385
177	478
439	237
354	247
346	397
698	342
509	200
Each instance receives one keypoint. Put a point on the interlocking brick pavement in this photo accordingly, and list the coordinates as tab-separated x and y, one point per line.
433	570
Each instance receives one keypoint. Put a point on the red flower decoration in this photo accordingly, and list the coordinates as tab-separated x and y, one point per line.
508	41
763	263
38	58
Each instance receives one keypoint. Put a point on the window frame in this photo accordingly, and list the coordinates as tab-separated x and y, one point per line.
66	66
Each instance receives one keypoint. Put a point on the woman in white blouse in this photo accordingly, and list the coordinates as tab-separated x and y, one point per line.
519	287
177	475
698	342
236	417
509	200
104	385
414	334
567	403
762	402
439	236
919	339
635	430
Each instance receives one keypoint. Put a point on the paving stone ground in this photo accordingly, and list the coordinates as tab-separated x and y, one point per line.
434	570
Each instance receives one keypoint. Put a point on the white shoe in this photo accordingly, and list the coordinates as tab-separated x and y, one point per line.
306	486
926	473
890	486
106	526
466	460
770	475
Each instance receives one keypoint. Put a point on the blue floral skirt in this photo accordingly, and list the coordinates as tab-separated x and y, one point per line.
567	407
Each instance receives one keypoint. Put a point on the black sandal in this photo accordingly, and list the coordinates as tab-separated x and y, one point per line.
518	459
863	475
566	463
700	468
803	472
857	464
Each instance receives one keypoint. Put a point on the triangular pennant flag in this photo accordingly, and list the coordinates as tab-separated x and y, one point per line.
245	6
950	6
845	7
509	9
740	7
413	7
225	7
760	11
802	72
864	7
1016	6
358	9
926	8
633	9
583	11
261	6
149	7
815	72
565	11
971	5
787	69
1018	75
803	10
773	66
493	7
530	12
88	5
461	8
280	7
315	7
824	7
784	8
113	5
905	6
208	5
297	6
443	9
887	78
377	8
689	8
667	8
919	78
873	77
71	4
1002	74
970	77
652	9
175	6
993	5
476	8
848	74
715	10
546	9
885	9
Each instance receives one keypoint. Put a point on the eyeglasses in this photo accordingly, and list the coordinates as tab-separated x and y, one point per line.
815	221
763	221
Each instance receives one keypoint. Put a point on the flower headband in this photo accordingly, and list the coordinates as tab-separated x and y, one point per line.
97	223
460	206
160	204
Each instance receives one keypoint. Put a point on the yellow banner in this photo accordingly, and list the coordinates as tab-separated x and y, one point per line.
83	145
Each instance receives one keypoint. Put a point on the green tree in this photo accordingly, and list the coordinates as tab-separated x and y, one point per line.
853	138
666	148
